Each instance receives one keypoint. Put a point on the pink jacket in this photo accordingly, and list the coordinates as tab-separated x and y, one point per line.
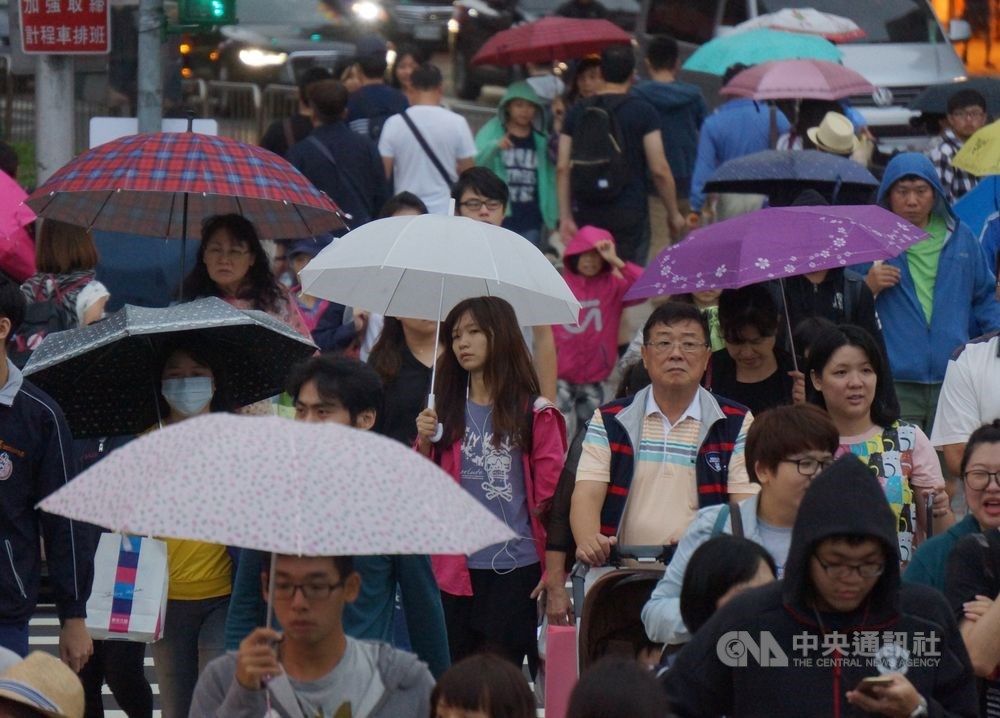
587	352
541	473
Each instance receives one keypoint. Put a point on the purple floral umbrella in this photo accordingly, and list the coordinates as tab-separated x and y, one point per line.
775	243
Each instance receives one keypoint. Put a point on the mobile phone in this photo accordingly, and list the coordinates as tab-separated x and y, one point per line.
869	682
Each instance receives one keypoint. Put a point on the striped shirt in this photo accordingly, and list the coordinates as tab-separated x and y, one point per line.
663	497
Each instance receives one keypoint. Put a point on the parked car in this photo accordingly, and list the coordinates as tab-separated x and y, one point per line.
473	22
904	49
424	22
274	42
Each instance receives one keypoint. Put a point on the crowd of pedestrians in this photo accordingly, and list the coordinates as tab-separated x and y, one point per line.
817	461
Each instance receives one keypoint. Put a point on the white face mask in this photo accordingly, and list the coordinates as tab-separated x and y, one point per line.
190	395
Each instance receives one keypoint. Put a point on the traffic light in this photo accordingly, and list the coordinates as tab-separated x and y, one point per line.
206	12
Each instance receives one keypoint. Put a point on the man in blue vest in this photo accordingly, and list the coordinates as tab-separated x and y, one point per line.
650	461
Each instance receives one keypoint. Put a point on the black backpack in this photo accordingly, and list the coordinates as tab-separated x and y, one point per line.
43	316
598	169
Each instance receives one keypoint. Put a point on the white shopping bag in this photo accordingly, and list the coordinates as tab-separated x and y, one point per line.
129	596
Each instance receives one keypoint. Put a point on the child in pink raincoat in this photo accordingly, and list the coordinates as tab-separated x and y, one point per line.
587	352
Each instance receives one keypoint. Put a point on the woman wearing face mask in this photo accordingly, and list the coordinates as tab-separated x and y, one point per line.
200	573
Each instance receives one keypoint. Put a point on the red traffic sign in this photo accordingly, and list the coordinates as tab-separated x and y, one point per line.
65	27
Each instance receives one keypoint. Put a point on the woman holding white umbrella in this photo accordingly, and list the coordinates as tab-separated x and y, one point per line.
505	445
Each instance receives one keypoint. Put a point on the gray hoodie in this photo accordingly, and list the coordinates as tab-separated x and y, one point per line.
401	689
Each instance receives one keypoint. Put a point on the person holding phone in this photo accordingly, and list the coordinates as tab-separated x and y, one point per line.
839	634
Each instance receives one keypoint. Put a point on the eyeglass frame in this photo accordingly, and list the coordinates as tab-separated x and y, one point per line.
295	587
976	114
843	570
991	477
663	346
232	253
474	205
824	464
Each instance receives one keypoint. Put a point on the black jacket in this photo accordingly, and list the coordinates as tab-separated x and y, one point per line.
845	499
36	458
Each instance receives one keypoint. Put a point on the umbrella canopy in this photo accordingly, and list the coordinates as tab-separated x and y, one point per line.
777	172
980	209
165	184
104	375
798	79
980	155
273	484
548	40
422	266
806	21
756	46
934	99
14	214
775	243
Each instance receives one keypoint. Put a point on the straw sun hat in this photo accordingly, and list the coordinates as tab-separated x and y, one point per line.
835	134
43	682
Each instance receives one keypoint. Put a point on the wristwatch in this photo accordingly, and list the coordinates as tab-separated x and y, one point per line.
921	710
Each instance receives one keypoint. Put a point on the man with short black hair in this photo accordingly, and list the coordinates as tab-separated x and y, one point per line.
651	460
337	389
681	108
312	668
36	458
282	134
627	216
966	115
480	195
426	147
339	162
374	102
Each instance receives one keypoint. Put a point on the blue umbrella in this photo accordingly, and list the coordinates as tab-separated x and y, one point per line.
756	46
783	174
980	210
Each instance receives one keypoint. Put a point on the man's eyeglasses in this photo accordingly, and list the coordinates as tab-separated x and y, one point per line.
843	570
688	347
313	591
968	114
809	466
474	205
979	480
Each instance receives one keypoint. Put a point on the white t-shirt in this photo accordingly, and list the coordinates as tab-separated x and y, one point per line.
446	132
969	396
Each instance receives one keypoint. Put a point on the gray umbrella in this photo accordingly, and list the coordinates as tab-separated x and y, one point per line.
105	375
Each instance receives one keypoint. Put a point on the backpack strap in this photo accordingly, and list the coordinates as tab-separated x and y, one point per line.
720	520
735	519
345	176
427	148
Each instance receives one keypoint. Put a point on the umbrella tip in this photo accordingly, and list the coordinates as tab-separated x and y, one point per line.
190	119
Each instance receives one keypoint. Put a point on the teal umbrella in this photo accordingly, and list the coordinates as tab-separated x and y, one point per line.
755	46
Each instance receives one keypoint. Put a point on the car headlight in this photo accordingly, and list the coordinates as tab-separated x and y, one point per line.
255	57
367	10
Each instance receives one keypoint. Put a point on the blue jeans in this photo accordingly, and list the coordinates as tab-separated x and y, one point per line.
193	635
15	637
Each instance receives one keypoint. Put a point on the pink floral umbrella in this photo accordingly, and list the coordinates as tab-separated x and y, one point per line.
282	486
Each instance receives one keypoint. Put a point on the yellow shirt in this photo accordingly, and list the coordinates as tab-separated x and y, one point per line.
198	570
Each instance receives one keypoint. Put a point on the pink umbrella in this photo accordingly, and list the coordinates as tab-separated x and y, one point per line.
17	251
798	79
278	485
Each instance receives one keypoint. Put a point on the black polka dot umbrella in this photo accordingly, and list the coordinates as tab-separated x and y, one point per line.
105	376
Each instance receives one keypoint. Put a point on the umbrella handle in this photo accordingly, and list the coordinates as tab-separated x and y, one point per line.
439	432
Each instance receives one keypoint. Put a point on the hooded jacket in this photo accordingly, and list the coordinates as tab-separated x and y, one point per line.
815	658
489	155
964	303
401	686
587	352
682	109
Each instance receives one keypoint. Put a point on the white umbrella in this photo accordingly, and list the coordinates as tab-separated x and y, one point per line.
421	266
806	21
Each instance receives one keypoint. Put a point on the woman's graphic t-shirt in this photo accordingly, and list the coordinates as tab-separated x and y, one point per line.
495	476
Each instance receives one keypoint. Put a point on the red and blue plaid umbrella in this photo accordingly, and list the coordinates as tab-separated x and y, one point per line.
165	184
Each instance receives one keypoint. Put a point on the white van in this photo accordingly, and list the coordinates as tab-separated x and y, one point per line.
904	49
